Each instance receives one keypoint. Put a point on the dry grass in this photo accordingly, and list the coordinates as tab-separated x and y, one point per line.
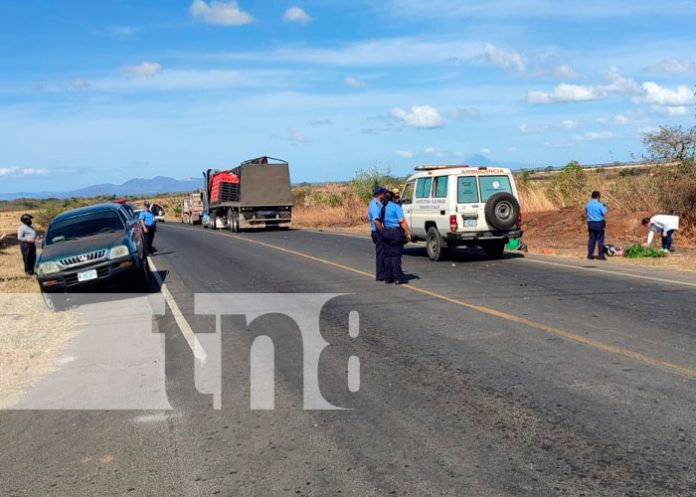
30	341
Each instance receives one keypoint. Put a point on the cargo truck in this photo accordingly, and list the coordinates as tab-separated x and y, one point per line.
192	208
256	194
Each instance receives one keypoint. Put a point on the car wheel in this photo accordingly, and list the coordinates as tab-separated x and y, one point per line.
143	282
435	245
494	250
502	211
55	302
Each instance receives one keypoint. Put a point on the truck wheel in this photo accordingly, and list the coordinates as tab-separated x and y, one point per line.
233	221
435	245
502	211
494	250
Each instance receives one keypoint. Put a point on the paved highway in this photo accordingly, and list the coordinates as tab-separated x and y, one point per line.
519	377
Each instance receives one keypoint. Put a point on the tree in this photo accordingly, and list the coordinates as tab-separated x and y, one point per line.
671	144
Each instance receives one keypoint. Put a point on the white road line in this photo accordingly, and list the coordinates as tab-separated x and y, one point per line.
608	271
185	328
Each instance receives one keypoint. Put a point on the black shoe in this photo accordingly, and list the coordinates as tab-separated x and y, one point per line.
389	282
601	258
590	257
379	279
402	282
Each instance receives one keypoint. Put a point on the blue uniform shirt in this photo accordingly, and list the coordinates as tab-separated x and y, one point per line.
373	212
595	210
393	213
147	218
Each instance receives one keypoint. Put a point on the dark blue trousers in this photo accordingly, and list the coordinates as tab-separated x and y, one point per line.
29	256
393	240
596	231
667	240
379	256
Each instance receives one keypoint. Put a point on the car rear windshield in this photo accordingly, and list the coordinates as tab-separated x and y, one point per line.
84	226
490	185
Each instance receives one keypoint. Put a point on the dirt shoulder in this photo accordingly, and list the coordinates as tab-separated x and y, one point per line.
31	341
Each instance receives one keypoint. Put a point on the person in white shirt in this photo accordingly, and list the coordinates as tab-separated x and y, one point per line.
26	235
664	224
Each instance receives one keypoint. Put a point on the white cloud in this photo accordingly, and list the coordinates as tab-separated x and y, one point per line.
564	71
656	94
29	171
406	154
296	14
465	112
421	116
502	58
320	122
620	84
80	84
354	82
123	31
672	67
621	119
295	136
143	69
593	135
672	111
219	12
433	151
564	93
569	124
486	151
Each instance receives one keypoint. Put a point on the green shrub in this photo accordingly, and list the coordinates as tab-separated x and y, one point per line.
638	251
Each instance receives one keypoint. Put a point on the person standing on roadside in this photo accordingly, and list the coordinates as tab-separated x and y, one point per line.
26	235
147	222
373	213
596	223
395	234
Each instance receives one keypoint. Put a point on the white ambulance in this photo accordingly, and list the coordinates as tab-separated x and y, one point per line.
452	206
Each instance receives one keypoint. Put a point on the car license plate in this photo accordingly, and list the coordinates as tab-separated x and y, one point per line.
470	223
87	275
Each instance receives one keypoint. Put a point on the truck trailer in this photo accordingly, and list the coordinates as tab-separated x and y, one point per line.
254	195
192	208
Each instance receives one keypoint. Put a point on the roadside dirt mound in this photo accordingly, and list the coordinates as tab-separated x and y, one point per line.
567	229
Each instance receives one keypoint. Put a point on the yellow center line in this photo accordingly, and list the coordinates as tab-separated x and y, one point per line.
550	330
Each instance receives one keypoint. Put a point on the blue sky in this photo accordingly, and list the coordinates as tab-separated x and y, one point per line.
106	91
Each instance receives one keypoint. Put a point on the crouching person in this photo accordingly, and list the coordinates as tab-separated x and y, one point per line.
664	224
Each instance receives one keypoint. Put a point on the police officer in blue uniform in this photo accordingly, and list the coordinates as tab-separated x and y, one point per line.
395	233
374	211
148	224
596	212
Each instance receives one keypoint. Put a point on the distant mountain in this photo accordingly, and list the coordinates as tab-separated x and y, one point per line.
135	186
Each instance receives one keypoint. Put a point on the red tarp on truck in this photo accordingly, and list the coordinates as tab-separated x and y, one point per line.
219	182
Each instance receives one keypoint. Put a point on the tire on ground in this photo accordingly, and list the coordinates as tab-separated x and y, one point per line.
502	211
435	245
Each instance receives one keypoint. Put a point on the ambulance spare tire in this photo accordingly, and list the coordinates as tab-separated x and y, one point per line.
502	211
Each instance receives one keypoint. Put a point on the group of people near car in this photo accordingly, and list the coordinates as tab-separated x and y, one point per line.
596	212
28	238
390	232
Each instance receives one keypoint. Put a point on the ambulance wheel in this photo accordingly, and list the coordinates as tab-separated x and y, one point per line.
435	245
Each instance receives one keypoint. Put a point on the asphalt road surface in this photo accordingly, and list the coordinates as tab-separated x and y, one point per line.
518	377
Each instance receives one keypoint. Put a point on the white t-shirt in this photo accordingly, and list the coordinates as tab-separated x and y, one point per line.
26	234
662	223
